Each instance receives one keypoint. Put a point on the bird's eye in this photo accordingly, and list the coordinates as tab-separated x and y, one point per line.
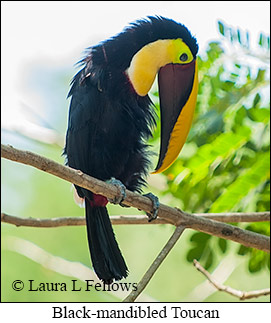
184	57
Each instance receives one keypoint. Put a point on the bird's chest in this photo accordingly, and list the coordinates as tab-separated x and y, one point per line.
116	129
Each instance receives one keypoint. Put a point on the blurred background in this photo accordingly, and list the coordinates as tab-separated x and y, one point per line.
224	166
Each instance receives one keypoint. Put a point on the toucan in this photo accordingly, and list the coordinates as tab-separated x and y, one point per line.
111	118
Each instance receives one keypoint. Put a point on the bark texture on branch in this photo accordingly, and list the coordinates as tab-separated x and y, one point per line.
172	215
128	219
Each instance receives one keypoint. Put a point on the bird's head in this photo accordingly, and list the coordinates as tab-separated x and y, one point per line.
163	47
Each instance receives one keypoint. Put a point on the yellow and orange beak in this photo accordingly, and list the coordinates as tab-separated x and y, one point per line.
178	88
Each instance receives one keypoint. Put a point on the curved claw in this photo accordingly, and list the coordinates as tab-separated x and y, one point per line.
155	202
121	188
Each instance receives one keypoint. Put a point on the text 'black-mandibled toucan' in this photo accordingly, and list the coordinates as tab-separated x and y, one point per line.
111	117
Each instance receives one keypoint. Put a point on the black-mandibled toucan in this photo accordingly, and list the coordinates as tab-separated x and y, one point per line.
111	116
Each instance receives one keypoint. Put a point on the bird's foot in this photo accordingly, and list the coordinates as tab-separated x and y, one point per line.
155	202
122	191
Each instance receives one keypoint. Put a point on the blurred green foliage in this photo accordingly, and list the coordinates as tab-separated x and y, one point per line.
225	163
224	166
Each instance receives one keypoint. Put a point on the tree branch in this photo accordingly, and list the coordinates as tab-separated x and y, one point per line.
172	215
128	219
155	265
222	272
60	222
234	292
237	216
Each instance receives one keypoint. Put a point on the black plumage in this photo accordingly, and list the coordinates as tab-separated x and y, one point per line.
108	127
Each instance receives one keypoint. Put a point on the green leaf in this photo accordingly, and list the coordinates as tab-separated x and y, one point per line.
257	261
234	76
239	36
250	179
194	253
209	261
240	115
256	100
260	75
259	115
232	34
222	243
221	28
228	168
260	42
243	250
200	238
222	147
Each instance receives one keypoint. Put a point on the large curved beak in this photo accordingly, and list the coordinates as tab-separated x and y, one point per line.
178	88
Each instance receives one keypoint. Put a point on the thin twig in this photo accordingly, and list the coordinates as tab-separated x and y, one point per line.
74	221
172	215
222	272
127	219
155	265
242	295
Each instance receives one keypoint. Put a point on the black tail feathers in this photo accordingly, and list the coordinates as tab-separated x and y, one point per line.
106	256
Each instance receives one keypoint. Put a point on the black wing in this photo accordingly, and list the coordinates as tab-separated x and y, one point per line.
106	130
